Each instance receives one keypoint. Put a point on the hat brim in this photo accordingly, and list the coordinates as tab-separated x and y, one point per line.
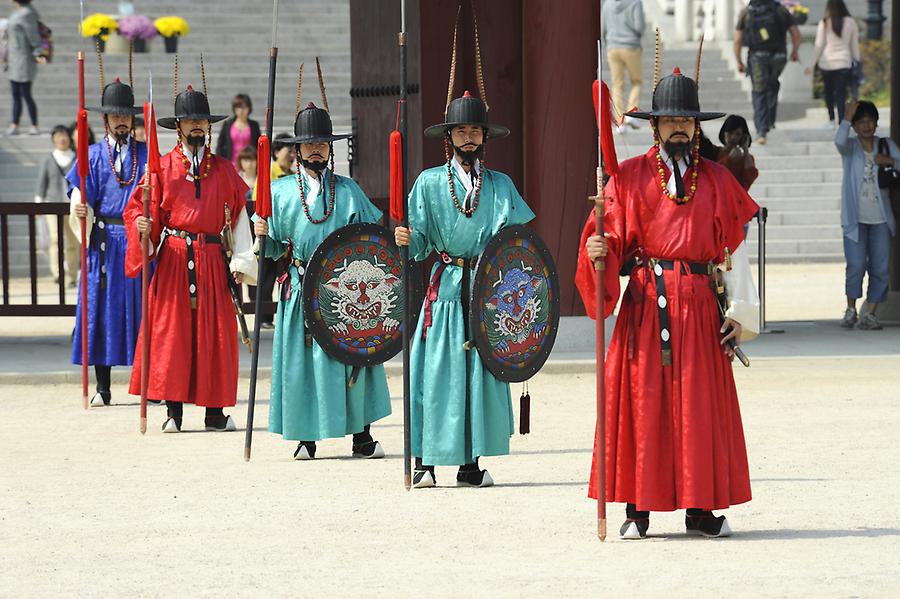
493	131
171	122
119	110
313	139
700	116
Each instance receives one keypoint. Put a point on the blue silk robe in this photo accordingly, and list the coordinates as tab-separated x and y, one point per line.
114	312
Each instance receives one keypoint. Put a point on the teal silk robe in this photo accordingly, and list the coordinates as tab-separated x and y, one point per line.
444	430
310	399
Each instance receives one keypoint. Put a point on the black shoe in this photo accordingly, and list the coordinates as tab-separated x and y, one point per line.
172	425
424	478
101	399
154	401
473	477
306	450
369	450
707	524
267	325
634	528
219	422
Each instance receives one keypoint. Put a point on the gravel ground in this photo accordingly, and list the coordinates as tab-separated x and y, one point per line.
89	507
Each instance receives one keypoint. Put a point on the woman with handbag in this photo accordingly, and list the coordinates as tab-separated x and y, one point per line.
871	169
837	47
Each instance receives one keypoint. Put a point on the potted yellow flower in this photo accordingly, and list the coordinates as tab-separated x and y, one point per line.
171	28
98	26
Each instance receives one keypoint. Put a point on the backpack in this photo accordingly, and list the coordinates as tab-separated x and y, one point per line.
46	41
763	29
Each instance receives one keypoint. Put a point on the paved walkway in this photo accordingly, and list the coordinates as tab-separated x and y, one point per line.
804	300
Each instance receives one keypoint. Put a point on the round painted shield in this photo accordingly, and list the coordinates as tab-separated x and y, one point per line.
514	310
353	295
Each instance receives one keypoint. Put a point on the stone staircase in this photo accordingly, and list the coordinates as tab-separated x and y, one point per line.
234	36
800	169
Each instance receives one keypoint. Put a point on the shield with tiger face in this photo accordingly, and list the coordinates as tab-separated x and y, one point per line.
514	310
353	295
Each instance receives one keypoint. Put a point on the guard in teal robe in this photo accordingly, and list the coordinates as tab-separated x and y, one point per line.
310	399
448	425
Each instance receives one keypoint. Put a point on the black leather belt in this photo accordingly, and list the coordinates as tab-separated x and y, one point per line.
189	239
462	262
102	222
657	267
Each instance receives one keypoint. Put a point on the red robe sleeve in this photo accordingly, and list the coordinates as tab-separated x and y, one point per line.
585	274
135	208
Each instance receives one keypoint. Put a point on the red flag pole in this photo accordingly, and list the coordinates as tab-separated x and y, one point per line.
600	266
149	172
82	184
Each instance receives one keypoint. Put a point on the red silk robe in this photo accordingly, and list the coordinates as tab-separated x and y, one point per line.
193	353
674	437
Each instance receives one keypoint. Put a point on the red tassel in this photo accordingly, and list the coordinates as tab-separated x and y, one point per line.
396	153
604	119
83	164
263	178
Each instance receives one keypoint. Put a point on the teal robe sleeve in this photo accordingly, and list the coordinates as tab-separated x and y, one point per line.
365	211
515	211
276	244
420	245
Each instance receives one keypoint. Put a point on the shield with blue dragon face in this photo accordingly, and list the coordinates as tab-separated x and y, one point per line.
514	310
353	295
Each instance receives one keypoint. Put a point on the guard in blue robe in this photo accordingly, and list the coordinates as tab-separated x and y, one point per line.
459	410
117	164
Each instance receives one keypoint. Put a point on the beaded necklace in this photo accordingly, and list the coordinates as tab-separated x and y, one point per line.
695	158
462	210
112	164
329	209
207	159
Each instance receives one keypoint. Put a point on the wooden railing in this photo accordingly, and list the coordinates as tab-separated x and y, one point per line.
33	211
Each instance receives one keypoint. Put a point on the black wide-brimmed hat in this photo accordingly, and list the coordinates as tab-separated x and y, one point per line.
676	95
313	125
466	110
190	104
117	98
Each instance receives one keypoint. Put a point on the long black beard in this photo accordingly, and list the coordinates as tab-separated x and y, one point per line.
315	166
194	141
682	149
468	157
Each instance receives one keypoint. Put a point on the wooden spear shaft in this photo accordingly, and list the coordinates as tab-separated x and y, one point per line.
145	300
600	267
82	184
404	254
261	263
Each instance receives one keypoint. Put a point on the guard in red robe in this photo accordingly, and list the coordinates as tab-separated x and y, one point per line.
191	319
674	438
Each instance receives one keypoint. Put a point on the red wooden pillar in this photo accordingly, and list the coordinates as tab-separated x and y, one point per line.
559	58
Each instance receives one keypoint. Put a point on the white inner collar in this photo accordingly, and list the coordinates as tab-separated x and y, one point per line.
463	175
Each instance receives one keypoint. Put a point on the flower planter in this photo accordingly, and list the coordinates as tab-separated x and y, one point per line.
140	46
171	44
116	44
